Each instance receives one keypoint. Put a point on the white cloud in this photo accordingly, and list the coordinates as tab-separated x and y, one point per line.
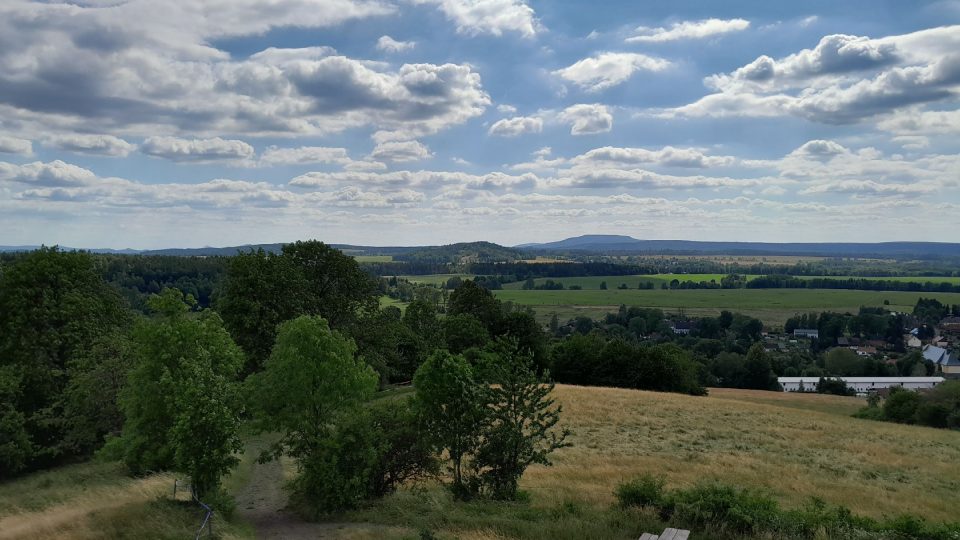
15	145
844	79
105	145
416	179
609	69
868	187
399	151
390	45
197	150
506	109
667	156
587	119
142	69
494	17
274	155
52	174
689	30
518	125
917	122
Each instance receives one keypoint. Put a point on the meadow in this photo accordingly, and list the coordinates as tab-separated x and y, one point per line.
790	446
772	306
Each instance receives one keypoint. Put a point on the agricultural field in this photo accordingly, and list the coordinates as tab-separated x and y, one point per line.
772	306
433	279
632	281
373	258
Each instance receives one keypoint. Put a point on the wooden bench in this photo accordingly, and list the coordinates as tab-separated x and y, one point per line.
667	534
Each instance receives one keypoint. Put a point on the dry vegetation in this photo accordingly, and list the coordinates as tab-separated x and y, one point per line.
794	446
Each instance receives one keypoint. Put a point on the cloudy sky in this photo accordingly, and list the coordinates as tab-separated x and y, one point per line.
181	123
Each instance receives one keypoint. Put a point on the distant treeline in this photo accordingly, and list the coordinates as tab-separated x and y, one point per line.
780	281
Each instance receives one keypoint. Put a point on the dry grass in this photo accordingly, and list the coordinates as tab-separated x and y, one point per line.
793	446
95	501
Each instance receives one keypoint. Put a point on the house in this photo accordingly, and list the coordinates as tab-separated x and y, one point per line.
682	328
865	351
806	333
862	385
912	341
947	363
843	342
950	324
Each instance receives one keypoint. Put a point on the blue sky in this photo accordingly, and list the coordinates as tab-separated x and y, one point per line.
144	124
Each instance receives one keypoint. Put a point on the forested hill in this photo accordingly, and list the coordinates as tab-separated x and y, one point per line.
628	245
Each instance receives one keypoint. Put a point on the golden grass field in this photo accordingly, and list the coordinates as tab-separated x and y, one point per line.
796	446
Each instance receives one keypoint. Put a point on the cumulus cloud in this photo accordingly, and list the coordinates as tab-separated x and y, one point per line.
844	79
590	177
609	69
197	150
274	155
494	17
667	156
399	151
15	145
867	187
518	125
390	45
415	179
689	30
51	174
140	69
587	119
104	145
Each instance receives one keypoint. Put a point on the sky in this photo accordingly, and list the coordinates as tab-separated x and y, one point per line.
143	124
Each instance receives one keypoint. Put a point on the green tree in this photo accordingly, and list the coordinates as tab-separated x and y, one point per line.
92	397
53	307
451	406
262	290
311	380
181	400
472	299
519	427
843	362
463	331
759	372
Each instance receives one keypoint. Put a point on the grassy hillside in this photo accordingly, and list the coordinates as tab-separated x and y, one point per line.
791	446
99	500
772	306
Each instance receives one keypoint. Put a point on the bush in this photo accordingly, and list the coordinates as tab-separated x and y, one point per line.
931	414
901	406
870	413
644	490
741	511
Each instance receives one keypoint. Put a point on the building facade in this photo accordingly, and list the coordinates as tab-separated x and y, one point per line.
862	385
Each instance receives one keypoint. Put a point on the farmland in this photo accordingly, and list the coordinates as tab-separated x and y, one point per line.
772	306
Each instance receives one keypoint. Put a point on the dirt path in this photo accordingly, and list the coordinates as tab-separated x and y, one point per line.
262	502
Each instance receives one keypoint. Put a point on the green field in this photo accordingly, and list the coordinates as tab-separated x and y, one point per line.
373	258
772	306
434	279
632	281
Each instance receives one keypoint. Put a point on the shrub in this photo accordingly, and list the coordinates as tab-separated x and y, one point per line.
870	413
644	490
931	414
741	511
901	406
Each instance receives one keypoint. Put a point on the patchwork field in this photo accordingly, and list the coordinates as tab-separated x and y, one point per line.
772	306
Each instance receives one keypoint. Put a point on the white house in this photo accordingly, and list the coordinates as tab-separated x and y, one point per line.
861	384
807	333
912	341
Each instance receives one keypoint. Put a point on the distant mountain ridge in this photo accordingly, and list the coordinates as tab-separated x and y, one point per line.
586	244
628	245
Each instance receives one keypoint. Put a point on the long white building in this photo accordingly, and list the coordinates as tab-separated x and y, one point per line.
860	384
